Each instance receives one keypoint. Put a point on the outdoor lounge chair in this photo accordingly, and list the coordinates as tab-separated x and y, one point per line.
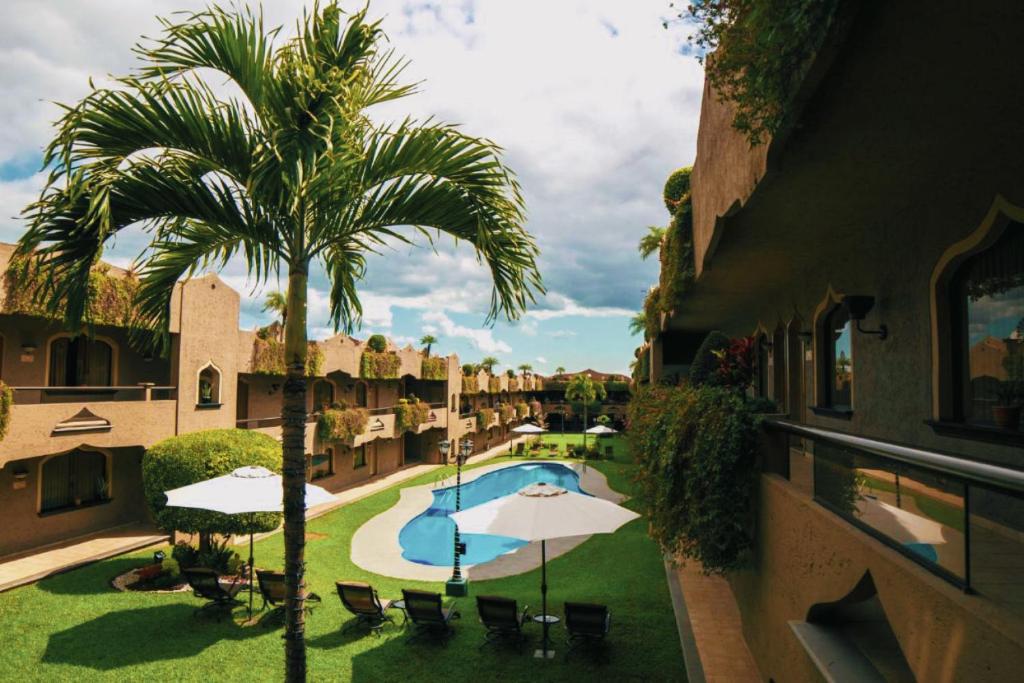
502	619
428	616
520	447
587	624
362	600
609	452
272	589
219	591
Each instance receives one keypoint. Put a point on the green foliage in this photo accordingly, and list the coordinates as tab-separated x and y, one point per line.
585	390
650	243
470	384
762	51
434	368
603	420
110	298
513	384
374	365
522	409
342	424
220	558
378	343
510	373
484	417
676	187
506	413
493	385
706	362
189	458
616	386
677	264
652	313
468	369
696	447
185	555
6	401
268	358
410	414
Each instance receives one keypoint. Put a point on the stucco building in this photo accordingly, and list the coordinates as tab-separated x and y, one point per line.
874	247
85	407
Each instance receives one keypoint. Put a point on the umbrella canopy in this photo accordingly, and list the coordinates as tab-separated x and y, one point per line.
536	513
529	429
541	511
247	489
601	429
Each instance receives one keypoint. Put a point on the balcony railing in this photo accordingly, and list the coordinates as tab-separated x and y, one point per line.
135	392
961	519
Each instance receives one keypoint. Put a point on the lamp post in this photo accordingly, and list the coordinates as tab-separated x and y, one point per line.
457	586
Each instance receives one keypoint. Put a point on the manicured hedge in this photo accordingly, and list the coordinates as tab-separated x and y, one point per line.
190	458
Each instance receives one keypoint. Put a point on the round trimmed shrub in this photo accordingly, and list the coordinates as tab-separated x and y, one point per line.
677	185
378	343
705	362
190	458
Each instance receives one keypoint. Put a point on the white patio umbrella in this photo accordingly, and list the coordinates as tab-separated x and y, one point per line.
247	490
539	512
525	429
601	429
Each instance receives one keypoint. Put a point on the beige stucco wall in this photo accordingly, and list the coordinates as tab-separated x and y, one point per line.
807	555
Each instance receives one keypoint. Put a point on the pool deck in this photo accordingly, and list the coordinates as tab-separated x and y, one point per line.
375	546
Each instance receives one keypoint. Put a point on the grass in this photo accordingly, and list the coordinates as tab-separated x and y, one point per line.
74	626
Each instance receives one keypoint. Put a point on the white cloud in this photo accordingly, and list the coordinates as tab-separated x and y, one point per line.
561	306
542	360
481	339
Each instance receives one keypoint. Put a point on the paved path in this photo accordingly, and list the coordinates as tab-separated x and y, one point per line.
18	570
375	545
716	626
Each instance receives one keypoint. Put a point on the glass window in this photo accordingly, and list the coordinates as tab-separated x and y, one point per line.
80	362
320	465
359	457
72	480
839	360
989	295
323	394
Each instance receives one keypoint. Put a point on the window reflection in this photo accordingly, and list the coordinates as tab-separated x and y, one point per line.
839	355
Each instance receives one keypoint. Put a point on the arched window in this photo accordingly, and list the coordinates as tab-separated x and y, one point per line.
361	394
323	394
209	386
453	404
72	480
987	316
837	358
80	362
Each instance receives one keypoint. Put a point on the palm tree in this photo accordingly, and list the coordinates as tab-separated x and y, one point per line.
526	369
651	242
559	370
428	340
488	363
638	323
277	303
289	174
582	388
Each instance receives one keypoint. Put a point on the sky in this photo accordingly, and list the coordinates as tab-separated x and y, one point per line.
593	101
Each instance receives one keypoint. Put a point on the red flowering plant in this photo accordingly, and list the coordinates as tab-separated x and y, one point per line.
735	364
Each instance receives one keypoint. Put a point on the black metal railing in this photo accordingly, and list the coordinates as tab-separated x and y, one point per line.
961	519
134	392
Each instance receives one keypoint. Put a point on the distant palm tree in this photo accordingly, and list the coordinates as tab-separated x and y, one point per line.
526	369
582	388
428	340
638	323
488	364
559	370
289	173
651	242
278	303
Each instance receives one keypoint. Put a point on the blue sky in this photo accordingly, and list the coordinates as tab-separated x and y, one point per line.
593	101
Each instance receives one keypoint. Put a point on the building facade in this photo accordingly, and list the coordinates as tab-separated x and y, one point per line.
874	247
85	407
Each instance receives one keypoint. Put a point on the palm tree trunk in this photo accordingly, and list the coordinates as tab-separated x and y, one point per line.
294	474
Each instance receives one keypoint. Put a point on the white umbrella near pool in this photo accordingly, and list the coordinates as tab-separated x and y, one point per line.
601	430
526	429
539	512
247	490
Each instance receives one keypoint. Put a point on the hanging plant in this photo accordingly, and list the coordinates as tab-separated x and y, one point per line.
341	424
522	410
470	384
493	385
513	385
110	297
410	414
506	413
6	401
379	365
268	358
484	417
434	369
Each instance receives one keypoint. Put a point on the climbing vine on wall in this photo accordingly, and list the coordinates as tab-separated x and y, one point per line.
341	424
484	417
434	368
110	297
6	401
268	358
410	414
379	365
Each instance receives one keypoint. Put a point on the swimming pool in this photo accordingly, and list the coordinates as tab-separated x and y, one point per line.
427	538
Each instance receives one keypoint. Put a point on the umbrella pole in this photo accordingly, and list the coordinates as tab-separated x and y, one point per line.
251	577
544	592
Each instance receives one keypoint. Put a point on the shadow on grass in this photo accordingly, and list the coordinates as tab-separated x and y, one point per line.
137	636
92	579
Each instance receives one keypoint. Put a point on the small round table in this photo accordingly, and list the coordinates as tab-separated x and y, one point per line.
549	618
546	620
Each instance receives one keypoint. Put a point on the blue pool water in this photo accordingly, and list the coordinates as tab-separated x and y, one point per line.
428	537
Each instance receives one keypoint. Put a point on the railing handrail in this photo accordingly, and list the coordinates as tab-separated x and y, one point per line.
969	470
93	389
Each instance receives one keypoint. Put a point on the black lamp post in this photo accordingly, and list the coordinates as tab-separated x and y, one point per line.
458	586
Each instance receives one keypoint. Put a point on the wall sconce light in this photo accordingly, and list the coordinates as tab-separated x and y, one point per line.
858	306
20	479
28	352
273	388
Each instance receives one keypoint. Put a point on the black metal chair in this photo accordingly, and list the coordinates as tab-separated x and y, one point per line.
502	619
587	624
362	600
273	591
427	614
217	590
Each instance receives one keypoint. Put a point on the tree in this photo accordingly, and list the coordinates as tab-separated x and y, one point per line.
638	323
428	340
488	363
582	388
559	370
289	174
526	369
651	242
277	303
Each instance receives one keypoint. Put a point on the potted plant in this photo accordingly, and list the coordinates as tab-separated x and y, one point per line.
1006	413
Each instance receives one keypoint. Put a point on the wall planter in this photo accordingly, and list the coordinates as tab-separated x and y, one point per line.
379	365
434	369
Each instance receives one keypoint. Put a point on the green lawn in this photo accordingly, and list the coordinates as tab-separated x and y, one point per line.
74	626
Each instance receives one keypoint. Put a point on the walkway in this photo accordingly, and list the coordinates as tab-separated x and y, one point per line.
18	570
